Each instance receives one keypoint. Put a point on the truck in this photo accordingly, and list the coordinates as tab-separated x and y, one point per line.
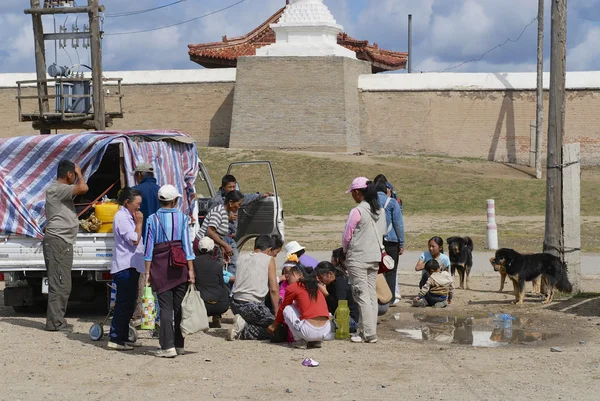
107	159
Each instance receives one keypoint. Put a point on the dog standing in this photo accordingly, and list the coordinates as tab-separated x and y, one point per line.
460	251
522	268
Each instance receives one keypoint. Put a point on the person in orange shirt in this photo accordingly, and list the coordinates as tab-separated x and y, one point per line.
304	310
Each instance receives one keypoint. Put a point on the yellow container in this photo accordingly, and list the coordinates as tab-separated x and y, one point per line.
105	212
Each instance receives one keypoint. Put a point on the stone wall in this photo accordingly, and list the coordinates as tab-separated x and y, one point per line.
492	125
201	107
484	116
308	103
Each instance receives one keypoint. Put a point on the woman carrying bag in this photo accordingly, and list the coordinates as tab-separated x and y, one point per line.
169	266
362	244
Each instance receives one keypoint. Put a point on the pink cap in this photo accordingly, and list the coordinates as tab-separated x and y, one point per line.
358	183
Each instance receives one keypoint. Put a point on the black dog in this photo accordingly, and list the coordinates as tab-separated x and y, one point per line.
522	268
460	250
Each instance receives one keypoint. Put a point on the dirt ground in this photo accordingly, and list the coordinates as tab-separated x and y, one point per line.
40	365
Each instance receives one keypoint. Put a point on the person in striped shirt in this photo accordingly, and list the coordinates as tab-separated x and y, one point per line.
216	223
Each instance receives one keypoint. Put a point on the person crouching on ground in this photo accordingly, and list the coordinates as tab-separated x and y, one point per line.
255	277
438	290
127	264
210	282
336	281
168	228
304	310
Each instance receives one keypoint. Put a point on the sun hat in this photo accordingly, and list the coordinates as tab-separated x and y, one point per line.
206	244
168	193
293	247
358	183
144	168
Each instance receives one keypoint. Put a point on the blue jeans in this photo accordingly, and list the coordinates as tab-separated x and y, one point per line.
127	288
232	258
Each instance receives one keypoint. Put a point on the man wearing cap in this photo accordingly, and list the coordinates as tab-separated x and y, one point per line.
294	248
144	177
210	281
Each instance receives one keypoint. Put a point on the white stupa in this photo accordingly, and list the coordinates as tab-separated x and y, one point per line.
306	28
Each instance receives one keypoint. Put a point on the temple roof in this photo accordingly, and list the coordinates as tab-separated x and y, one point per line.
225	53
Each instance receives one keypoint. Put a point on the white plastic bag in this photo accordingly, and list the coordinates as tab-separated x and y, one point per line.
193	312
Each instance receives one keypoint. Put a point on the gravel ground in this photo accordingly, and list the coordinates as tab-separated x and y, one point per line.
40	365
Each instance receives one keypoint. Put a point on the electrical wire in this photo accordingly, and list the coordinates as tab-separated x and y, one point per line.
178	23
487	52
130	13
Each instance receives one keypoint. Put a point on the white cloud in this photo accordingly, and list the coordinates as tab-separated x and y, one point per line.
445	32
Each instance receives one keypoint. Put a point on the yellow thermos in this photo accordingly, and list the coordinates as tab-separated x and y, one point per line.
342	318
148	309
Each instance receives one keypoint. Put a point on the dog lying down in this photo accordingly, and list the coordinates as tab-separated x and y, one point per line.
522	268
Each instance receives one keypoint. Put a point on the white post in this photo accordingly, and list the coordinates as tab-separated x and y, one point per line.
571	230
492	228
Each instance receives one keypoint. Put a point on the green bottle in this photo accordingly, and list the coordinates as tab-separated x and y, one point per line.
148	309
342	318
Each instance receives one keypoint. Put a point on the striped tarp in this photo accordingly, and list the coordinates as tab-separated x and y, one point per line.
28	167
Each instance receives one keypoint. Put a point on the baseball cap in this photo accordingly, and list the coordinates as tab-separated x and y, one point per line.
206	244
144	168
358	183
168	193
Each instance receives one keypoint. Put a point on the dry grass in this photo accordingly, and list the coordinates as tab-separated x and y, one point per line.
439	190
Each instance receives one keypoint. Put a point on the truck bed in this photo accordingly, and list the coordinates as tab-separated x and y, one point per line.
91	252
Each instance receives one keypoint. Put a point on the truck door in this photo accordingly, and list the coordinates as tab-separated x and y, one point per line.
264	216
205	191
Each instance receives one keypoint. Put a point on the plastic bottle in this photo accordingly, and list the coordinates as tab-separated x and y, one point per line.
342	318
148	309
503	321
113	295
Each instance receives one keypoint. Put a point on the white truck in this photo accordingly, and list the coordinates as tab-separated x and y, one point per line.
105	158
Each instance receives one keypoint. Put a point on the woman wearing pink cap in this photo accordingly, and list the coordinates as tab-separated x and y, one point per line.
361	242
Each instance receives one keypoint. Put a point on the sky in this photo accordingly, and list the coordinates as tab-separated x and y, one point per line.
446	33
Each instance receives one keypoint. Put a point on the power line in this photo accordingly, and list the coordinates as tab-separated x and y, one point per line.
178	23
489	51
129	13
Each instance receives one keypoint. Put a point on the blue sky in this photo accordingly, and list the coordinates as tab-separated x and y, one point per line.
445	32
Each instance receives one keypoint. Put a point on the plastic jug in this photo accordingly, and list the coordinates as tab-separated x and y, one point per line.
105	212
342	318
148	309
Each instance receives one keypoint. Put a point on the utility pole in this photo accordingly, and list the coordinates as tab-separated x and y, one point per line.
410	54
556	127
540	92
96	48
40	65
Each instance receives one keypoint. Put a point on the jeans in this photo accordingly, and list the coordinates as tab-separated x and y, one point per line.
170	317
127	291
363	278
434	299
391	277
257	316
234	256
58	257
303	330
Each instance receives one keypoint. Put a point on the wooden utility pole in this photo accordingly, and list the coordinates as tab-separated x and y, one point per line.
540	92
556	127
96	47
40	65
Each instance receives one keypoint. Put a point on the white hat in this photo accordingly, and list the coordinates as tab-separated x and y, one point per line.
206	244
144	168
168	193
293	247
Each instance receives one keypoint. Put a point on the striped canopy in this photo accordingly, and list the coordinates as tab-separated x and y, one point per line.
28	166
